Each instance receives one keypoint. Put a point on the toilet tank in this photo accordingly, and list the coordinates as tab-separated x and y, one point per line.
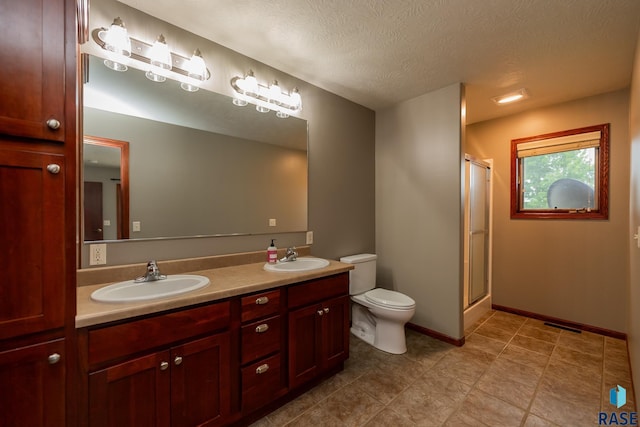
363	277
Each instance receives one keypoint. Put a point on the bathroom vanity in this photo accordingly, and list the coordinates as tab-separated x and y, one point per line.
224	354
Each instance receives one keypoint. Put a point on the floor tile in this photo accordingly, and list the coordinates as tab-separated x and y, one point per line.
591	361
512	371
535	421
490	410
585	342
486	344
544	334
494	332
532	344
526	357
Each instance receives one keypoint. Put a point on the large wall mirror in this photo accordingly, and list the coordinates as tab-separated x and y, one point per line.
196	164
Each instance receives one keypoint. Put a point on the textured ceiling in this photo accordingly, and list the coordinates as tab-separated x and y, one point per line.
380	52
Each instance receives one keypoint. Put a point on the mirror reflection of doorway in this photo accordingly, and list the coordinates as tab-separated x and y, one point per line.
106	189
93	218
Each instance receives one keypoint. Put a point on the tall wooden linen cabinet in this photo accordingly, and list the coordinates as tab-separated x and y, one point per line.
38	143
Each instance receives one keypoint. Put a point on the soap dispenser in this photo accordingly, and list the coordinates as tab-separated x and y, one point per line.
272	253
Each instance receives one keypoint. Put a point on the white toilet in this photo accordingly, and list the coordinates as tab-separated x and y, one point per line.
378	315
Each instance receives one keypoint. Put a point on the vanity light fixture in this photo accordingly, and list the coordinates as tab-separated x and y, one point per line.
160	60
157	59
265	98
117	43
510	97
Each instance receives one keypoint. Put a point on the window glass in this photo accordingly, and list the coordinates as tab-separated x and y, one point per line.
561	175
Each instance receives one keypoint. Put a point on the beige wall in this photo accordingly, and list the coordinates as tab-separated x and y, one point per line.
341	154
419	208
572	270
634	222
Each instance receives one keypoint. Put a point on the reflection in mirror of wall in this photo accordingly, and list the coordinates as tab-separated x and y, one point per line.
199	165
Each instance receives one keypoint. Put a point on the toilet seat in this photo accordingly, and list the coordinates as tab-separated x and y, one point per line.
386	298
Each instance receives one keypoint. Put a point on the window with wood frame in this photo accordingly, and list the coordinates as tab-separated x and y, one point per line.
561	175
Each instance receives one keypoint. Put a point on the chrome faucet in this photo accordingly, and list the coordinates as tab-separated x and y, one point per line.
153	273
290	255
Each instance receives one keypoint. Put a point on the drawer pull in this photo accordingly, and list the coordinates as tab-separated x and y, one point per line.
164	366
262	328
177	360
53	358
326	310
53	124
320	312
262	369
262	300
53	168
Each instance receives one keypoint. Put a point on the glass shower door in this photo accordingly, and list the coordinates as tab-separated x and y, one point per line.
478	239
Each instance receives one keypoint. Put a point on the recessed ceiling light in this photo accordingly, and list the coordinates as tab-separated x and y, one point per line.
510	97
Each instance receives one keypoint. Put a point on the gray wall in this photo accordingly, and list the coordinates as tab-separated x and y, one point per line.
341	180
575	270
419	167
634	223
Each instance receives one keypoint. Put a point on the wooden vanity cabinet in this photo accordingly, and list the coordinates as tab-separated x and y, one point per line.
33	385
32	235
33	69
318	328
38	108
262	340
167	370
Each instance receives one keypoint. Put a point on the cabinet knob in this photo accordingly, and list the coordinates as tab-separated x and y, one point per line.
262	369
262	300
326	310
53	358
177	360
53	124
53	168
164	366
320	312
262	328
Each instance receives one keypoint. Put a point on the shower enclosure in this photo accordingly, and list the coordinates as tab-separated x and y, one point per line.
477	245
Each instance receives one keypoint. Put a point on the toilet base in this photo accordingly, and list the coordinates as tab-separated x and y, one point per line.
363	335
395	345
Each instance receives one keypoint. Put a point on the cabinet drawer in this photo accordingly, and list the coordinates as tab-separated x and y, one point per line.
318	290
139	335
262	382
261	338
260	305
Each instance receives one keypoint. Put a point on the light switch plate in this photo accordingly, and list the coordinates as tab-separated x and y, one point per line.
309	237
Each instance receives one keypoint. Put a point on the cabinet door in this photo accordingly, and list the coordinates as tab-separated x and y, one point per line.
335	332
134	393
32	236
200	382
32	380
32	51
304	344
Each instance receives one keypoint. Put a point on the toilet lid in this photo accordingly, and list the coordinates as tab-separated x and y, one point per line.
389	298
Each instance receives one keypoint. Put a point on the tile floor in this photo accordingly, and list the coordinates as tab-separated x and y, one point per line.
512	371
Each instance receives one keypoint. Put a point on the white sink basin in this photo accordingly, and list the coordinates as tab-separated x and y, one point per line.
130	292
301	264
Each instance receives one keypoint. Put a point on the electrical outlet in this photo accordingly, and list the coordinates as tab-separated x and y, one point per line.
272	222
98	254
309	237
135	226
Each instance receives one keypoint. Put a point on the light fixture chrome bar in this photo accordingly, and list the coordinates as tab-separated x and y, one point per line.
140	51
265	98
